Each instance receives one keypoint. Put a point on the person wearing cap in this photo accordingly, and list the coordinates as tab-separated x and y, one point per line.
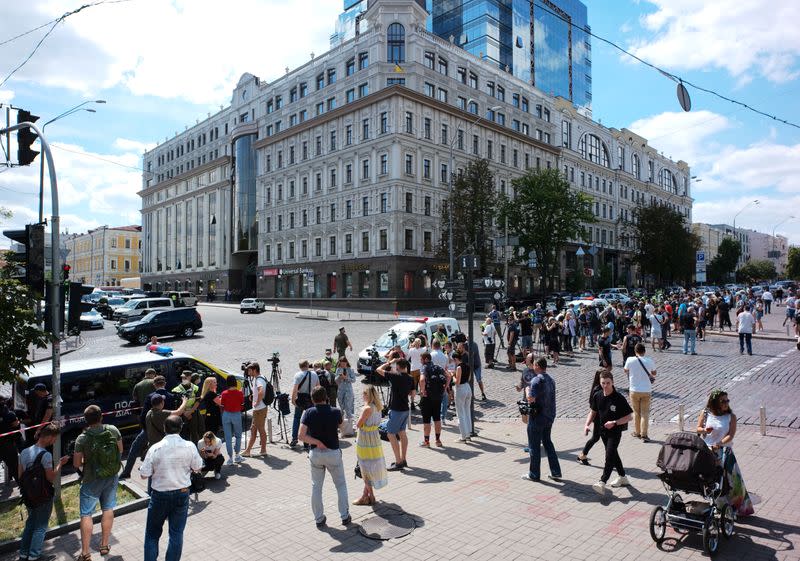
40	409
342	343
191	425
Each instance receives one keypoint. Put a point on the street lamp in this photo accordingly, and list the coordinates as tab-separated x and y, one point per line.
755	201
79	107
450	184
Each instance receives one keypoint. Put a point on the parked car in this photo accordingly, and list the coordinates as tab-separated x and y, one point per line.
251	306
182	298
615	297
180	322
140	307
618	290
92	320
400	334
598	303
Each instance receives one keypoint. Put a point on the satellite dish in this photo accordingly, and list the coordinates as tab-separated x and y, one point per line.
683	97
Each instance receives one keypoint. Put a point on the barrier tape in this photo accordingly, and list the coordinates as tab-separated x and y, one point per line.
64	420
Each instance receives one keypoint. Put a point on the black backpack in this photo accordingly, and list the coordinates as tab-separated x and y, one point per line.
269	392
324	380
435	379
34	487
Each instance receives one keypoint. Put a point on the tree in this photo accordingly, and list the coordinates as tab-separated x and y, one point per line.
793	265
664	246
474	204
722	266
757	270
545	213
18	330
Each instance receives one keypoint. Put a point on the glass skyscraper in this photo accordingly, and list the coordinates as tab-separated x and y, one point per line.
543	42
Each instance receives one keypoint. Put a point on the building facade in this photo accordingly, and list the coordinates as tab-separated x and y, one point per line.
104	256
329	182
765	247
741	234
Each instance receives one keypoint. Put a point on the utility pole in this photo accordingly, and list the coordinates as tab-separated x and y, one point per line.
505	255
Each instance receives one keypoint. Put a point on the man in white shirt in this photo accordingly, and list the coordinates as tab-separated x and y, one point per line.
767	298
489	336
641	371
440	359
169	464
258	387
745	324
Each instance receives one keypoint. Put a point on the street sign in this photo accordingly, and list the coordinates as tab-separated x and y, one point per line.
470	262
593	250
701	257
533	263
531	254
580	252
700	276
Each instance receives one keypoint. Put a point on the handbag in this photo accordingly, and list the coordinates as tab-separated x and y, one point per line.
303	400
650	376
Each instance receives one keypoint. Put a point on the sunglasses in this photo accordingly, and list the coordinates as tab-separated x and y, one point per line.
724	401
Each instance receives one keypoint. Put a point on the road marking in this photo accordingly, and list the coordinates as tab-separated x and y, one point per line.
735	380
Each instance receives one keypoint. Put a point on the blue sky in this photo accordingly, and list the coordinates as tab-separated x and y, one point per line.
160	65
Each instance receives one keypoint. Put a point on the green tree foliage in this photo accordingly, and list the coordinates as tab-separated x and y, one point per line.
18	330
474	204
756	271
665	248
793	266
545	213
722	266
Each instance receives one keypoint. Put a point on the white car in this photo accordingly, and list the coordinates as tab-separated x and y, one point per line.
251	306
92	320
615	297
599	303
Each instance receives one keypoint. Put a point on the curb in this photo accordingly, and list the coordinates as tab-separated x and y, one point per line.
38	360
734	335
133	506
306	316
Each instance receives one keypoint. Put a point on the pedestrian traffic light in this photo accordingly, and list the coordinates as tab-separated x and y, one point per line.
65	269
29	256
76	292
25	138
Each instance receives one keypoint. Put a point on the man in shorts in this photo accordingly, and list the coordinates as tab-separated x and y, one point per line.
432	384
258	387
396	370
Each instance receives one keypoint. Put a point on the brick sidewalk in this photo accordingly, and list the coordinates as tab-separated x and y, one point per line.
469	500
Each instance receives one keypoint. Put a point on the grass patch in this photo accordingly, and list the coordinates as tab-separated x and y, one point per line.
13	514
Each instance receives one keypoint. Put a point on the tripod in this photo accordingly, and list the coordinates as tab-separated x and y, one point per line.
275	380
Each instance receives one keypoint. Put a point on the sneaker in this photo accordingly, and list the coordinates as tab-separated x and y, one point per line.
635	435
395	467
218	475
526	450
462	439
292	444
238	459
527	477
425	444
229	462
321	523
347	521
599	487
439	444
554	478
645	439
620	481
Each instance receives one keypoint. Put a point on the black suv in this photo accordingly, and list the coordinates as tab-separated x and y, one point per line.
181	322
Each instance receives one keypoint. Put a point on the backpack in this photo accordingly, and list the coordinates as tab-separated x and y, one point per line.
435	379
103	453
34	487
269	392
324	380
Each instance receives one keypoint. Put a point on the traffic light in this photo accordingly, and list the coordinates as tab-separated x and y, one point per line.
76	292
25	138
30	255
48	310
65	269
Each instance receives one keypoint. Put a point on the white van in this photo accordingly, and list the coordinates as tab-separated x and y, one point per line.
139	307
400	334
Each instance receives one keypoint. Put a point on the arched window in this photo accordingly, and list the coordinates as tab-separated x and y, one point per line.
666	179
396	43
637	167
594	150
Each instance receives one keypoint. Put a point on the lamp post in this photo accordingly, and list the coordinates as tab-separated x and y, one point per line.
450	186
755	201
79	107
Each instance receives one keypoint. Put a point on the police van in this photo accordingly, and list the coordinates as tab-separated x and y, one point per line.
108	382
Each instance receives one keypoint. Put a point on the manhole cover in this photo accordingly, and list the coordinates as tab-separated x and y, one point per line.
387	527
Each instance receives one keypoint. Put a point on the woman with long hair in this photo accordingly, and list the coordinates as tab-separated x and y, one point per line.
583	457
369	449
210	416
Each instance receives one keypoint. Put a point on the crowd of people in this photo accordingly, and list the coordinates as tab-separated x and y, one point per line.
180	428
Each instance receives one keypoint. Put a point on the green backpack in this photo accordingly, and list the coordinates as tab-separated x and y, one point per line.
103	453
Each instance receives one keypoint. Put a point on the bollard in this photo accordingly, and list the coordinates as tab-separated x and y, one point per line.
681	415
762	412
269	431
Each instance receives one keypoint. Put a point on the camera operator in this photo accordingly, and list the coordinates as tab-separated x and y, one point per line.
258	387
541	395
304	383
396	370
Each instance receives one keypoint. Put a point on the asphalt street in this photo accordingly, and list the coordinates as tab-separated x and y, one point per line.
771	377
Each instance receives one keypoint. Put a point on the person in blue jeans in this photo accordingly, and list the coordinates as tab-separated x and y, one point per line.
32	542
231	401
304	383
169	464
541	395
689	324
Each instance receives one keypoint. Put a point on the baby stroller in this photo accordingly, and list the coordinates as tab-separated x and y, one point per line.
689	466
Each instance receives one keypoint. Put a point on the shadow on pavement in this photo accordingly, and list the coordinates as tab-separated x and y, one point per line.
427	475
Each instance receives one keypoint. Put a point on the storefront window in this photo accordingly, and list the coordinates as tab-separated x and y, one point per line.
332	285
279	288
365	285
408	282
348	285
317	286
383	283
292	281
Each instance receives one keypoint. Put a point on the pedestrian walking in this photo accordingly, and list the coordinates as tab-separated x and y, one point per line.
688	321
345	377
641	371
258	388
745	326
231	401
489	333
583	457
614	413
767	298
512	337
369	450
604	348
98	453
541	397
35	464
169	465
341	343
495	316
319	429
397	371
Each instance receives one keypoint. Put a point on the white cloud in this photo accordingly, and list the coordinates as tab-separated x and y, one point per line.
742	37
129	145
6	96
192	49
681	135
763	217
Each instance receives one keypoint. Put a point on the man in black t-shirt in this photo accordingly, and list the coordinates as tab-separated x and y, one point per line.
318	429
614	414
604	348
396	370
526	332
40	410
432	384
